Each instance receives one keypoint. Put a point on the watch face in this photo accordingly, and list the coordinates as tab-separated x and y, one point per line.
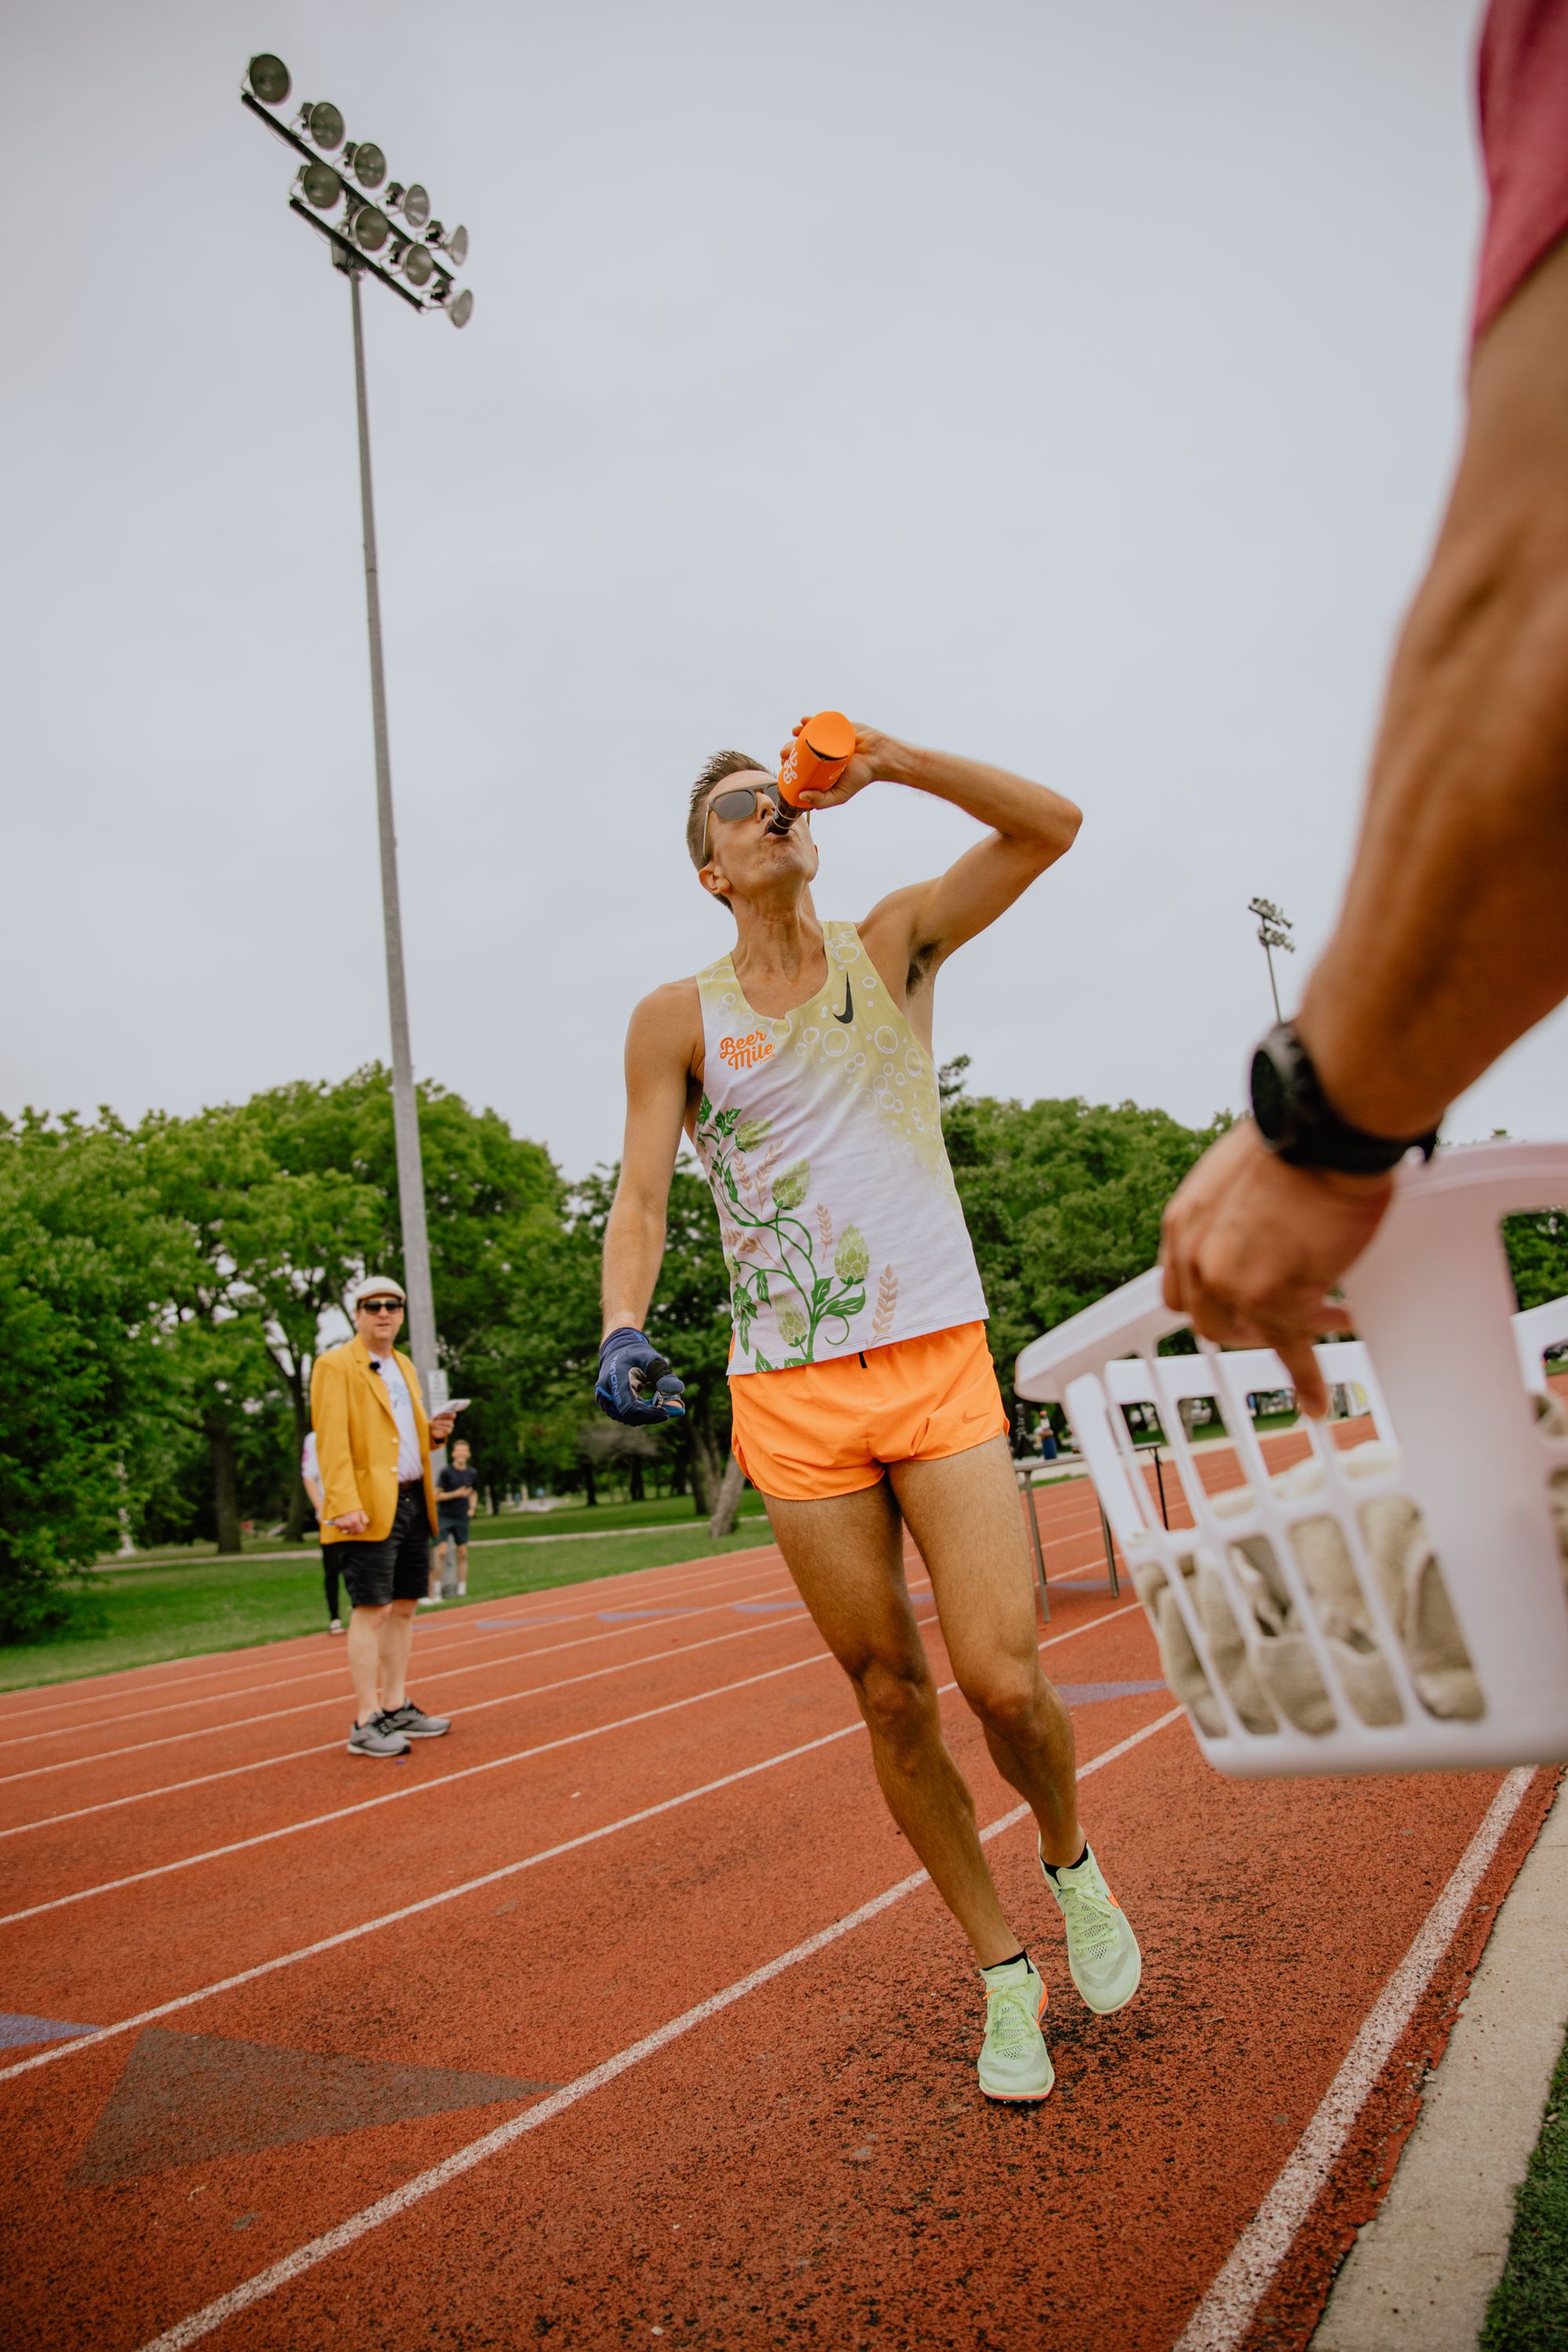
1269	1099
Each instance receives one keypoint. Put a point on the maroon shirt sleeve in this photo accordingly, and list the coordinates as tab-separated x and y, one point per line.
1523	71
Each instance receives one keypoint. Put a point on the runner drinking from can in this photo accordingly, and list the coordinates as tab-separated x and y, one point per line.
864	1398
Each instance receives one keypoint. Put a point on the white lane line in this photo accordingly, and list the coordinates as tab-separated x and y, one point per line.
414	1789
474	1706
714	1568
1223	2317
464	1772
436	1676
453	1631
463	2160
292	1682
488	1878
325	1747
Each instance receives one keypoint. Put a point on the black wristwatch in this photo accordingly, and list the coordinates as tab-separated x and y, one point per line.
1296	1121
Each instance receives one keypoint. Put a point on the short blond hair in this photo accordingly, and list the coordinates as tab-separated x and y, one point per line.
721	764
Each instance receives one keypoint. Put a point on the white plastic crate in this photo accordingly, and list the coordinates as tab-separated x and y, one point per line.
1444	1365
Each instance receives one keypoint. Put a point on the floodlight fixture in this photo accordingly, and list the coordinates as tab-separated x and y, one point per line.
320	186
268	78
367	162
412	257
324	123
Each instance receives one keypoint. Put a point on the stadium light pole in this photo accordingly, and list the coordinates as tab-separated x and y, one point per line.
423	256
1274	928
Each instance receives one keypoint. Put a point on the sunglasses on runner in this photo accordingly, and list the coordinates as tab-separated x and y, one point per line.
382	1305
741	802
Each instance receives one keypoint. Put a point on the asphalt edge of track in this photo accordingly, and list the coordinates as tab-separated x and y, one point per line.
1456	2180
1270	2298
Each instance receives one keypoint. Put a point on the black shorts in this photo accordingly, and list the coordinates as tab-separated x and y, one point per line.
397	1567
454	1523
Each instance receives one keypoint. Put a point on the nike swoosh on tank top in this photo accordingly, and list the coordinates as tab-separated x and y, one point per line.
821	1138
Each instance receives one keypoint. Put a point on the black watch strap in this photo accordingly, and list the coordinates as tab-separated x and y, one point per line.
1298	1122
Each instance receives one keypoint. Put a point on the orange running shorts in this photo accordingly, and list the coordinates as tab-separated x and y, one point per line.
810	1431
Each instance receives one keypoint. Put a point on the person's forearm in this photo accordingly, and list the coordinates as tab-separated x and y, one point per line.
1011	806
634	1252
1452	941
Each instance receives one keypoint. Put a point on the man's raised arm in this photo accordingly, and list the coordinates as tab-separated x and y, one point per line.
659	1045
1031	828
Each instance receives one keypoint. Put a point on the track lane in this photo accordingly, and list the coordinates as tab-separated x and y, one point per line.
303	1657
822	2105
117	1950
649	1902
18	1793
884	2203
67	1855
673	1628
446	1661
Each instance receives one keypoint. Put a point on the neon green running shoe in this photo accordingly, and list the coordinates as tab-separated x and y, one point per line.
1102	1950
1014	2064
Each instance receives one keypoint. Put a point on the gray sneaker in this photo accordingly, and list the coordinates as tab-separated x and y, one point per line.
415	1724
380	1737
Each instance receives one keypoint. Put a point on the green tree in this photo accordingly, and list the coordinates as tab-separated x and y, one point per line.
1063	1198
201	1172
1536	1246
84	1267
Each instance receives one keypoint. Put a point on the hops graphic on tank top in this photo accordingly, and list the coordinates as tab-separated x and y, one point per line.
887	1305
770	1252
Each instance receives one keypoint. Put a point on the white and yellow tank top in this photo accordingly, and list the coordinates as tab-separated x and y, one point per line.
820	1132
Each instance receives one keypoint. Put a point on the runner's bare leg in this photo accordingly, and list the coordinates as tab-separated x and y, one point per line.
964	1514
845	1555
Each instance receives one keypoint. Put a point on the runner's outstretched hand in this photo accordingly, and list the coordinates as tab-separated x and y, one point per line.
636	1384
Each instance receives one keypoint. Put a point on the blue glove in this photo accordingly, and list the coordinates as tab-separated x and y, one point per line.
636	1383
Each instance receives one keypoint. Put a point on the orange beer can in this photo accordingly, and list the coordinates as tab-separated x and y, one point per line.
819	756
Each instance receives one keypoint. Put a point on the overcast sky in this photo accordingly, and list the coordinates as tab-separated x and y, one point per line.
1075	387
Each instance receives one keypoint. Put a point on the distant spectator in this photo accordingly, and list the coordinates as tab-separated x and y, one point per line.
310	1479
374	1450
457	1493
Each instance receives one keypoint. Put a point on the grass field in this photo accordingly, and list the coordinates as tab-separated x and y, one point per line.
1529	2309
179	1607
571	1514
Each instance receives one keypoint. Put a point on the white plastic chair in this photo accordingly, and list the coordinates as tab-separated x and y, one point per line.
1443	1363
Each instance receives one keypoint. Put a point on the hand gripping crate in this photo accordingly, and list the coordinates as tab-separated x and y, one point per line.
1444	1366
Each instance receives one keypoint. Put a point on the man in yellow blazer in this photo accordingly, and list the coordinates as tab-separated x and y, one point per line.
373	1443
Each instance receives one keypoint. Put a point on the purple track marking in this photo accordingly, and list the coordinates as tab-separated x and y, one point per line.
641	1616
1090	1693
15	2033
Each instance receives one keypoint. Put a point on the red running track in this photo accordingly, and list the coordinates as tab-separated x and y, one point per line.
624	2013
